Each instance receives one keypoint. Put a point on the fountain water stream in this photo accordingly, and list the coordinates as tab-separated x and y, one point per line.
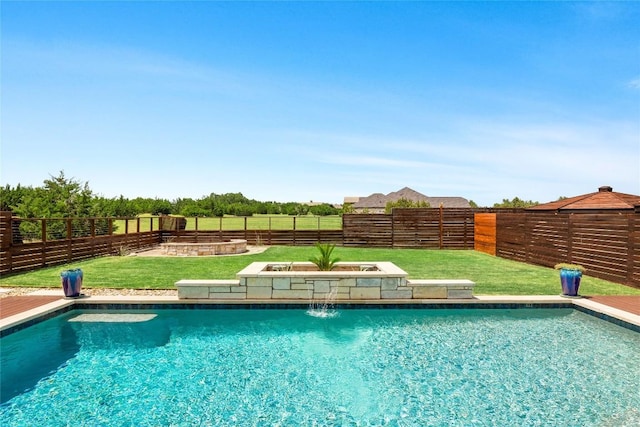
324	308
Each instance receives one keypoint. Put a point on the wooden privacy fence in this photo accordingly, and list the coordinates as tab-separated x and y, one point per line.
29	244
607	244
432	228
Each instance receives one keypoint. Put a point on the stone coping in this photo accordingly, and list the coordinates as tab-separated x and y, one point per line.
385	269
437	282
526	301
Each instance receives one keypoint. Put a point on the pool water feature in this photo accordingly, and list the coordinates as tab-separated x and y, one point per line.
325	307
363	367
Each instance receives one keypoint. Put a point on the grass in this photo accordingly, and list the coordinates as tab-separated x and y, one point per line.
494	276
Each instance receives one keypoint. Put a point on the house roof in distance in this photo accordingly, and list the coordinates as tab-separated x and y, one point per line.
604	198
379	200
351	199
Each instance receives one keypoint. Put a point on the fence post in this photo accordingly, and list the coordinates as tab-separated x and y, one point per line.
245	228
632	248
440	244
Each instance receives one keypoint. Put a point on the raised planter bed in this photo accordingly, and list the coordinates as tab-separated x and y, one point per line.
302	281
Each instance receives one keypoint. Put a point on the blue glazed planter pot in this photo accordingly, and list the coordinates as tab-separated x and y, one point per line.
71	282
570	280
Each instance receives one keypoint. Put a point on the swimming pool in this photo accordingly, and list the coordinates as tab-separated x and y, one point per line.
282	367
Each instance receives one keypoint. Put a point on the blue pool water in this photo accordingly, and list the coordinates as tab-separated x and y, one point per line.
522	367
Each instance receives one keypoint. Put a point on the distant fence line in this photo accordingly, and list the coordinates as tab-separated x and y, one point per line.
38	242
607	243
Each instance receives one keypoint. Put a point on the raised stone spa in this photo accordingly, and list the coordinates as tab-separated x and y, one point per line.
227	247
303	281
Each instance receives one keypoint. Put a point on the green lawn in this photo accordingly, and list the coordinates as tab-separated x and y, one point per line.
494	276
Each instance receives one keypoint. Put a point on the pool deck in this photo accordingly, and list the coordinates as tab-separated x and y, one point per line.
15	310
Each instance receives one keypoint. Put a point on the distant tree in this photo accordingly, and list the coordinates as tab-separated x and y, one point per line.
405	203
267	208
347	208
239	209
12	197
323	210
115	207
60	197
63	197
516	202
288	208
473	204
155	206
190	208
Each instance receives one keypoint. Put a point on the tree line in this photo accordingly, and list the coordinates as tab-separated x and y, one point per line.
63	197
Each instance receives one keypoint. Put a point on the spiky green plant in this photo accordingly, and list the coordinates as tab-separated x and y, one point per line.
324	261
565	266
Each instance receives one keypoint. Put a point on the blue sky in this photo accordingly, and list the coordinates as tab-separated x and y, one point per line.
299	101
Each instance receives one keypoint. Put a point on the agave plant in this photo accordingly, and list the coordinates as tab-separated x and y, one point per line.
565	266
324	261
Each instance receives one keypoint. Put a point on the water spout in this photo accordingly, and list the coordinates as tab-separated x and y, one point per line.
325	308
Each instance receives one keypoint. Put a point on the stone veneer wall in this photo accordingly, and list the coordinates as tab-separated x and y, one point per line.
389	282
205	248
322	287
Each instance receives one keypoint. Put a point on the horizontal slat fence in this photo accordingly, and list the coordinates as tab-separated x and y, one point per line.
433	228
368	230
48	242
607	244
30	256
